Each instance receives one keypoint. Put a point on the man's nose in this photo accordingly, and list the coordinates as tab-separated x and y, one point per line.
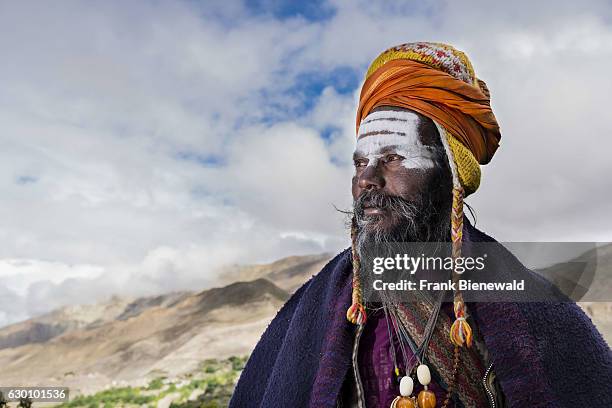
371	178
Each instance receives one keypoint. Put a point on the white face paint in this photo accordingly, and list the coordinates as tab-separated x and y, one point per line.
396	132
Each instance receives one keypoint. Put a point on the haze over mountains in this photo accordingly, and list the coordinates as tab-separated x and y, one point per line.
131	341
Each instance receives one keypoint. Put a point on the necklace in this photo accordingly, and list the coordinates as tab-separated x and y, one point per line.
425	398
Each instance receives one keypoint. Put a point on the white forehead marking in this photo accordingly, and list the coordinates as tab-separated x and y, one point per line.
393	121
398	129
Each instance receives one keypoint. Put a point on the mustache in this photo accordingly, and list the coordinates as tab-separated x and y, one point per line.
377	199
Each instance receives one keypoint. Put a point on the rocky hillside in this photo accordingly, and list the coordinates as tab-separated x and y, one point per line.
69	318
132	341
287	273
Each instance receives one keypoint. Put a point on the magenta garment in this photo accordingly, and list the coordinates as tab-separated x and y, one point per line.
376	365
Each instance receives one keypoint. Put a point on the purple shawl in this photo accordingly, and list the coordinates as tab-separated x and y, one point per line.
545	354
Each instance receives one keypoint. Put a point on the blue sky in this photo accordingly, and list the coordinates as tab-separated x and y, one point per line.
309	10
147	144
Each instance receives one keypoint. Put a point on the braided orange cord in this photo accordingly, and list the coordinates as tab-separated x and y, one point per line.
356	312
457	222
460	331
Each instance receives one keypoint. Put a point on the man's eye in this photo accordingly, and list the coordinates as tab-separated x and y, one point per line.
393	157
361	163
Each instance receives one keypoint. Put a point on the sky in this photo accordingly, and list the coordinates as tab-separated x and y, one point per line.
146	144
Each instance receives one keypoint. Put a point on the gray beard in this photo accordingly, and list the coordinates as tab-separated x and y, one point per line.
416	221
424	220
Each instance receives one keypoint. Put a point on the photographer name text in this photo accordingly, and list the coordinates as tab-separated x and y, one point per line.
461	284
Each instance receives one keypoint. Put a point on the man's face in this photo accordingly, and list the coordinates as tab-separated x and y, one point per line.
402	181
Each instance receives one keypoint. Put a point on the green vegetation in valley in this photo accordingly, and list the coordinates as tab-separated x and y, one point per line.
211	386
114	397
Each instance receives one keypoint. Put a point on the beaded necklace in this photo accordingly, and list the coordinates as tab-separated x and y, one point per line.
417	363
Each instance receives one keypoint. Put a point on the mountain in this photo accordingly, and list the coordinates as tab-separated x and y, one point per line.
43	328
131	341
287	273
587	276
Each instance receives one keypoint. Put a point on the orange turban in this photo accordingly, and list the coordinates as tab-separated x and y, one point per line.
414	76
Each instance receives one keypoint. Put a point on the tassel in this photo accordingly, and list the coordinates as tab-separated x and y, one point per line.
356	314
460	332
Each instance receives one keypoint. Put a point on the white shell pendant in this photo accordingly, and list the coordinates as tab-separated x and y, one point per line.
423	374
406	386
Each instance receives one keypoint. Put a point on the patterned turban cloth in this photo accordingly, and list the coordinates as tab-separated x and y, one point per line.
437	81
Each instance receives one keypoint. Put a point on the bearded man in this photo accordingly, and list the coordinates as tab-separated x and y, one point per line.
424	126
